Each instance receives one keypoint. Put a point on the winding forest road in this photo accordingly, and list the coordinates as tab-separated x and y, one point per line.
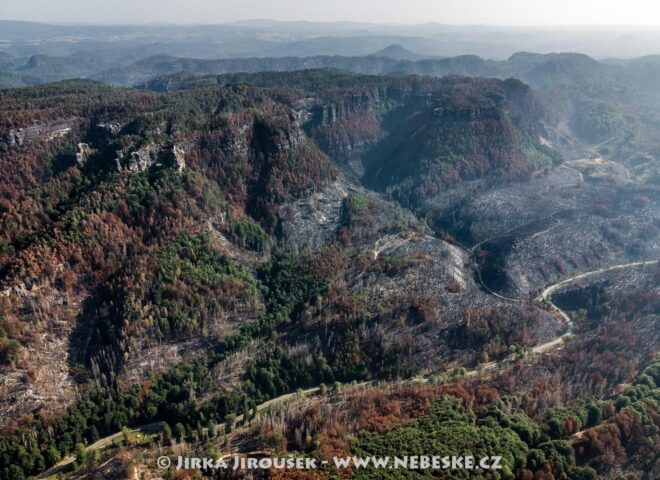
547	293
541	349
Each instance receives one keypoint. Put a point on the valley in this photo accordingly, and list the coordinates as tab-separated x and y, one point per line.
486	368
407	251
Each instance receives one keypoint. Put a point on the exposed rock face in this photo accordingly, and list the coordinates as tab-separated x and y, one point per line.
344	129
179	157
16	137
119	157
331	112
303	110
289	139
110	129
313	221
277	139
142	159
82	154
47	131
139	160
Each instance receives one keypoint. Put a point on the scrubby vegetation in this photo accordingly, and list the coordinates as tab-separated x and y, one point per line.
625	426
144	269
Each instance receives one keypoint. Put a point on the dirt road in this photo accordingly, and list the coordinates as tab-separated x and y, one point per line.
539	349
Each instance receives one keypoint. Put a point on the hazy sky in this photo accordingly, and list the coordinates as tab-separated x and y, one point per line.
501	12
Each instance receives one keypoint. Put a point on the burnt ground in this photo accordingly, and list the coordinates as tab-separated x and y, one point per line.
528	235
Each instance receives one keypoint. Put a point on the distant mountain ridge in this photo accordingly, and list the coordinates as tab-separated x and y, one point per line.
610	106
610	109
398	52
536	69
268	38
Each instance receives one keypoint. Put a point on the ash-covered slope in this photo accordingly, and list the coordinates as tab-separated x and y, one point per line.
132	216
185	255
115	202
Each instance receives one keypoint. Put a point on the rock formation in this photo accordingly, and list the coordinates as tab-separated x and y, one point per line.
179	157
82	154
142	159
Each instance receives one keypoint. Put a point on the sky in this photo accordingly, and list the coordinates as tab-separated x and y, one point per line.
460	12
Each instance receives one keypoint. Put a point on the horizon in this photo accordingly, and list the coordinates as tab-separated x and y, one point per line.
159	23
504	13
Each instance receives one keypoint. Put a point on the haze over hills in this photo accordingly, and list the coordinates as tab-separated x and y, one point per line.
397	52
276	39
577	87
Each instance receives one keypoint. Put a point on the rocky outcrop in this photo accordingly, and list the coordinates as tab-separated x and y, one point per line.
47	131
119	160
284	139
82	154
138	160
174	156
345	127
142	159
15	137
303	110
179	157
109	129
332	111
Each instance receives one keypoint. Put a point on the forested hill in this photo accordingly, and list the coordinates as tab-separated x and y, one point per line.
452	128
610	107
411	135
186	251
136	224
97	180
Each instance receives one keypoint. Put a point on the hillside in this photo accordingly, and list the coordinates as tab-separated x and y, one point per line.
191	250
607	108
397	52
147	228
484	129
